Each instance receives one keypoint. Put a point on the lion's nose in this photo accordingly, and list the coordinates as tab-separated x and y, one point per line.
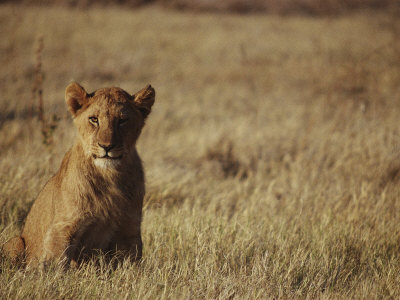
107	147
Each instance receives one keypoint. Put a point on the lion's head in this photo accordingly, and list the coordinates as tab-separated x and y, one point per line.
109	121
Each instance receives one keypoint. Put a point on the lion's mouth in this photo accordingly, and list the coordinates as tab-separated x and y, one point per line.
107	162
107	157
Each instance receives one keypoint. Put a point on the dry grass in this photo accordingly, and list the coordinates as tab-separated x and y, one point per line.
272	153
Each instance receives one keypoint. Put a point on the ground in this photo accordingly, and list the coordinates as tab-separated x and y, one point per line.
271	154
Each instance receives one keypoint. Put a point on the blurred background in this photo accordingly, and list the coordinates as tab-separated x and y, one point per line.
309	7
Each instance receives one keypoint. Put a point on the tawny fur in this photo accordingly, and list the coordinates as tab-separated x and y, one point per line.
94	201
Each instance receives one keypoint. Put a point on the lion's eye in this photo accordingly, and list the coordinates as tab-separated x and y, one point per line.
94	121
122	121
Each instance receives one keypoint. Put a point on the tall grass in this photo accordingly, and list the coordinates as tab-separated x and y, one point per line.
272	152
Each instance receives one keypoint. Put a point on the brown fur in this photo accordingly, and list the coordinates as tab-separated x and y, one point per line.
94	201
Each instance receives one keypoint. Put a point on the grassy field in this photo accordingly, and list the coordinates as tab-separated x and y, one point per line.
272	154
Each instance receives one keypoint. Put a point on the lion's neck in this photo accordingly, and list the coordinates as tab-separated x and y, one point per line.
98	190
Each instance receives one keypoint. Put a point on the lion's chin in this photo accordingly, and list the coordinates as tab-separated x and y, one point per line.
107	162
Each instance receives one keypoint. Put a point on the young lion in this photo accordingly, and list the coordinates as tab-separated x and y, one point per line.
94	201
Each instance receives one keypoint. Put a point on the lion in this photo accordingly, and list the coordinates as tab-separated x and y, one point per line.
94	201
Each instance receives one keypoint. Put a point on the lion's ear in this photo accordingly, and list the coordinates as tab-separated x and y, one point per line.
144	99
76	97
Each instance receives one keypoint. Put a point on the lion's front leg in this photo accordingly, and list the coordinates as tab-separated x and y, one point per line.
125	248
127	242
129	247
57	245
